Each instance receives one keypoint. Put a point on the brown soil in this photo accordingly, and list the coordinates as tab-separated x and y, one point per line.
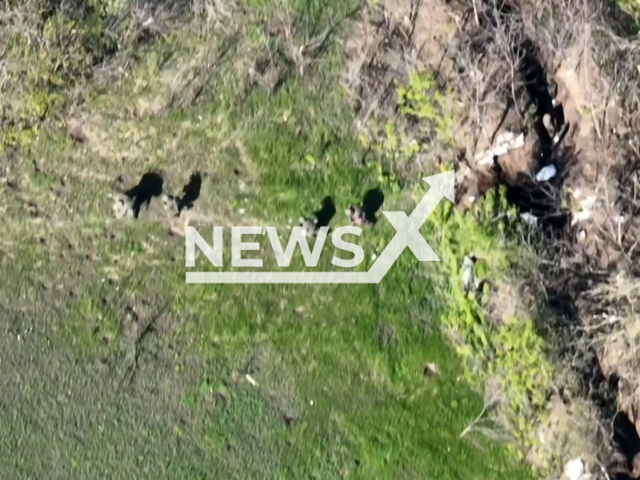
433	33
585	159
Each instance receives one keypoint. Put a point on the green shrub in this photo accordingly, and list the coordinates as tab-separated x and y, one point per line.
510	353
422	102
49	55
426	123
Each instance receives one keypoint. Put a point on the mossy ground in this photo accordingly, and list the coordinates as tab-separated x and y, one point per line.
112	367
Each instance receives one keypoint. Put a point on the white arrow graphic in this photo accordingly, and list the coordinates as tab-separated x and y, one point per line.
407	235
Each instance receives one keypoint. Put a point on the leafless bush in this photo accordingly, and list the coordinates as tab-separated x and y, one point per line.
488	50
596	264
600	269
379	54
215	12
302	49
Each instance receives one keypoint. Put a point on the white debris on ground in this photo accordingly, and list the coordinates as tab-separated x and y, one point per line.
586	206
574	470
529	219
580	216
504	143
546	173
251	380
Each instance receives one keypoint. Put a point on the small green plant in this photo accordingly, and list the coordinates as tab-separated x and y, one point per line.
511	352
632	7
45	72
421	101
386	178
426	117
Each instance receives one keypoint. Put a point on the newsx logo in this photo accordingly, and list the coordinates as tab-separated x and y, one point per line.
407	235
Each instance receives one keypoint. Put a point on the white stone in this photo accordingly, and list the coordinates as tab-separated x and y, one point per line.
529	219
547	173
574	469
505	142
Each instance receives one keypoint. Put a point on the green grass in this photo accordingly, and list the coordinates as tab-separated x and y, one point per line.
339	368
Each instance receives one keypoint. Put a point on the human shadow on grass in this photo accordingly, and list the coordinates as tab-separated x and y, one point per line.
190	192
320	218
326	212
149	186
371	203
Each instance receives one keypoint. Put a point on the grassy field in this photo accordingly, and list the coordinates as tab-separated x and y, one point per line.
111	366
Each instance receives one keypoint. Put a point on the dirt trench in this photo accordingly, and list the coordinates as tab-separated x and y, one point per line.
544	109
578	149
